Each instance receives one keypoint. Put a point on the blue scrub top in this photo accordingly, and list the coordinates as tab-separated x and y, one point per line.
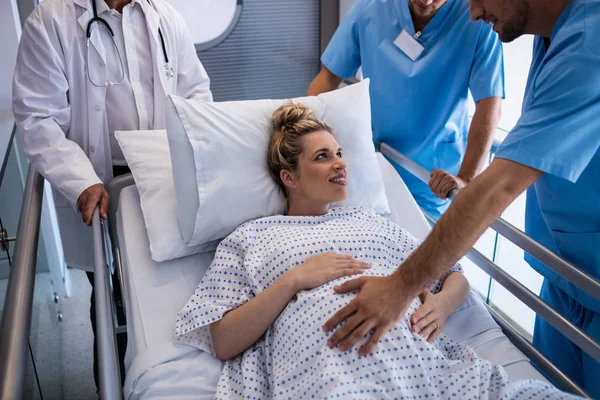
559	133
420	107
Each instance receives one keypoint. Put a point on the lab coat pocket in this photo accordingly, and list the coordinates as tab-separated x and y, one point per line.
581	249
448	156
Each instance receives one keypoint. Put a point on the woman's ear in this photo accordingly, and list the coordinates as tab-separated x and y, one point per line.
288	178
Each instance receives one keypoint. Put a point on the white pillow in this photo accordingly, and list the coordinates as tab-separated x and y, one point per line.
147	154
219	155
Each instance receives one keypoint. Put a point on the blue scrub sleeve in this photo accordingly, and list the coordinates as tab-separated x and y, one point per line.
558	132
342	55
487	71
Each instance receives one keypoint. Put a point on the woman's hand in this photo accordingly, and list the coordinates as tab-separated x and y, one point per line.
429	320
323	268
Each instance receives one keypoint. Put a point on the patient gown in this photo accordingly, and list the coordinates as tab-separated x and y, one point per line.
292	359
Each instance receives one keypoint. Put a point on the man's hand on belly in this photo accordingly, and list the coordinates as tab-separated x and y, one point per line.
377	307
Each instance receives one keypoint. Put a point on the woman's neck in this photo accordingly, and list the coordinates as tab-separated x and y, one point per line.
306	208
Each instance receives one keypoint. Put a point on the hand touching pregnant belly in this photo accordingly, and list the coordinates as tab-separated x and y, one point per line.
241	328
323	268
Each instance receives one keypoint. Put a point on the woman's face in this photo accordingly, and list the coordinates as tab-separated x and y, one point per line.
321	175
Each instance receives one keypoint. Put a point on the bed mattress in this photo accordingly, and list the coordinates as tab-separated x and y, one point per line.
155	292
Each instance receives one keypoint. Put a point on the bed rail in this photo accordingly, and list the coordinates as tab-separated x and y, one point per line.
16	317
108	367
564	268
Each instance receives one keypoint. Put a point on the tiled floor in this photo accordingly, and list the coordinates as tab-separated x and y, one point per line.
62	350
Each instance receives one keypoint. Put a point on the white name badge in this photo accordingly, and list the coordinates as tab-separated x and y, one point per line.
409	45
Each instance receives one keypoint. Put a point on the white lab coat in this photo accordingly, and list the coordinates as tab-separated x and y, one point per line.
60	115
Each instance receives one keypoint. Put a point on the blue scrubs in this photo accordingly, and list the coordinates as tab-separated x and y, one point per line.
559	134
420	107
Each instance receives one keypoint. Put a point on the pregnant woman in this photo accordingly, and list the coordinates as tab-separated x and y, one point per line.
263	303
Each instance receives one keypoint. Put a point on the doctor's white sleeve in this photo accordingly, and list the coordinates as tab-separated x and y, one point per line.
192	79
43	113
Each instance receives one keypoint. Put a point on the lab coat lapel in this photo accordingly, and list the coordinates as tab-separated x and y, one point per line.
95	38
162	90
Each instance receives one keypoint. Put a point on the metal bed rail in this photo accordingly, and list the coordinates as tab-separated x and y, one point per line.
564	268
108	366
16	317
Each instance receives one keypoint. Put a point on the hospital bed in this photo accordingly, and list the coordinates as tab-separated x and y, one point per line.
154	293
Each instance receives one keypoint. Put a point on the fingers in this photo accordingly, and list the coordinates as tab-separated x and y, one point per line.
441	183
434	181
357	334
373	341
447	186
340	316
347	329
418	315
434	335
428	330
89	199
88	209
104	204
350	286
423	322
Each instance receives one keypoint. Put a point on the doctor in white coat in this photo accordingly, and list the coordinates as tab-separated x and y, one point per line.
85	69
66	124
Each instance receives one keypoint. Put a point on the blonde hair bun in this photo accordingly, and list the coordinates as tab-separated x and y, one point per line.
290	117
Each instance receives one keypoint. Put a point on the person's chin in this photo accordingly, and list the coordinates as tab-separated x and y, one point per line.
343	195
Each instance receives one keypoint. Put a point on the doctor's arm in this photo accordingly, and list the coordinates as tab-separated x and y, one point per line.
43	116
381	301
481	135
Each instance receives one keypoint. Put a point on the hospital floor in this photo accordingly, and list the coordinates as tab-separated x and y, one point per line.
62	350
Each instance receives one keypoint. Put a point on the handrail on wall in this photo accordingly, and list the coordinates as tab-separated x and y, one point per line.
16	317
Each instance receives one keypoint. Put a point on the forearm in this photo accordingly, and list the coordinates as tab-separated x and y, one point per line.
472	212
325	81
241	328
454	291
481	136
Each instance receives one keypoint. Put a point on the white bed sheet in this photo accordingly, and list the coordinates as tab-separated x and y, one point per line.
155	292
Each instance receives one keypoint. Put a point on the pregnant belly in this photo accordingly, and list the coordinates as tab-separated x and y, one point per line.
299	328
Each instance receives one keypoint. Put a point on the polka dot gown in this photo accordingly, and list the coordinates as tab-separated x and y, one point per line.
292	360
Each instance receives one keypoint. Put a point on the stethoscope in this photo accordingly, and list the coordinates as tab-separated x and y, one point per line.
168	70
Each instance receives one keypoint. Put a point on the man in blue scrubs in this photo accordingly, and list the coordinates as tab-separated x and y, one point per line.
422	57
555	147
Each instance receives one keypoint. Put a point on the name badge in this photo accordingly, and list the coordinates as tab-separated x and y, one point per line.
409	45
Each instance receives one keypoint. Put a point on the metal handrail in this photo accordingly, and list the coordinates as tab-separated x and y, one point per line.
5	158
533	301
587	283
578	337
16	317
108	367
557	376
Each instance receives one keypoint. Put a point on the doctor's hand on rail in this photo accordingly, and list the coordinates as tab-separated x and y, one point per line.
441	183
378	305
90	198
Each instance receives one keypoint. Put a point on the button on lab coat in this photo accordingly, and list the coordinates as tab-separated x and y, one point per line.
60	115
